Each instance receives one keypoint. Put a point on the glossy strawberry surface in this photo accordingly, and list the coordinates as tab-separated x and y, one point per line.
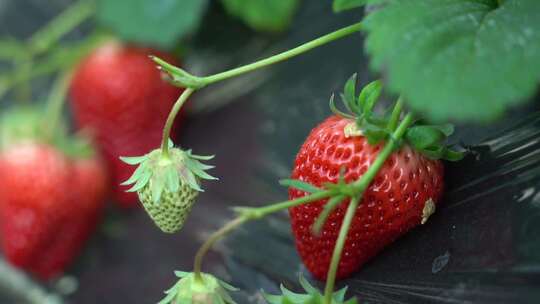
392	205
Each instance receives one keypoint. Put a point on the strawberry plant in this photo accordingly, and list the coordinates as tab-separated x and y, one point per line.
364	176
360	169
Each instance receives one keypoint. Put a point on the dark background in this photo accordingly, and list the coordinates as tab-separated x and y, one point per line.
481	246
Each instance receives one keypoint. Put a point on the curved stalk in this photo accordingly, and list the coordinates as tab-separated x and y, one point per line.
359	187
216	236
62	24
396	113
285	55
170	120
336	255
247	214
55	103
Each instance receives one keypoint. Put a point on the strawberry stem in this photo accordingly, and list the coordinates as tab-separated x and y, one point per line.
62	24
336	255
24	58
285	55
55	102
211	241
170	120
396	113
360	186
19	285
182	78
248	214
59	58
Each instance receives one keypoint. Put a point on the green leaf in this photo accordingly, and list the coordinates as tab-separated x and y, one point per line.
461	59
263	15
300	185
158	22
451	155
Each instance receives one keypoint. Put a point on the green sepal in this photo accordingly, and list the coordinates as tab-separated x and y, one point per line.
429	140
199	157
157	184
134	160
335	110
198	169
167	172
136	175
181	274
311	296
451	155
189	289
190	178
423	136
349	95
172	179
298	184
141	182
369	96
374	133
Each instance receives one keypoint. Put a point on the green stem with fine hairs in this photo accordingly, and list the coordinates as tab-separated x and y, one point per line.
62	24
359	187
396	113
55	102
170	120
247	214
285	55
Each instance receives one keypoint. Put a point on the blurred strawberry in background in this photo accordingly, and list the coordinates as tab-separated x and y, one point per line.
119	95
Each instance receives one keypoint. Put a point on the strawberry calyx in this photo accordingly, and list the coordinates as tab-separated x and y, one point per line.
192	290
311	296
429	139
165	173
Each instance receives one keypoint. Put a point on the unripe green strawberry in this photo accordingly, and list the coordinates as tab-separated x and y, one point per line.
171	211
168	184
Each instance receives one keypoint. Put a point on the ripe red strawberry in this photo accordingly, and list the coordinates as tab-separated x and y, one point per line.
87	189
35	181
119	94
392	204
